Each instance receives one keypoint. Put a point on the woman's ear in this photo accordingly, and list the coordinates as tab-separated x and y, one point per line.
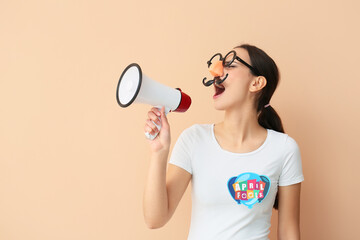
257	84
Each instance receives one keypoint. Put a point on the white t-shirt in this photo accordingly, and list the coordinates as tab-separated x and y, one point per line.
233	193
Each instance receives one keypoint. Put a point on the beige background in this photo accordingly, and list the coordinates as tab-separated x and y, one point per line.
73	163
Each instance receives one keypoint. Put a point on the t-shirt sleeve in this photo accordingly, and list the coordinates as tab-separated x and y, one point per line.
182	151
292	168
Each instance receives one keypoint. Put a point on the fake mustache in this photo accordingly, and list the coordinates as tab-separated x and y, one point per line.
216	80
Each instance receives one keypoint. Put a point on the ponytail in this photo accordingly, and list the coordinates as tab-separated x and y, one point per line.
267	116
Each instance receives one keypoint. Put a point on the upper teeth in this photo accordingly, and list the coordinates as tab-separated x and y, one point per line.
220	86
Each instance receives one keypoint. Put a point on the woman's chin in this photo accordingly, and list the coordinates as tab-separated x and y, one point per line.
219	106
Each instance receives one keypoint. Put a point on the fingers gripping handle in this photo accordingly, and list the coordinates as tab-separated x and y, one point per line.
152	137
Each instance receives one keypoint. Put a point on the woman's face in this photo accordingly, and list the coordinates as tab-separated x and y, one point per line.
236	90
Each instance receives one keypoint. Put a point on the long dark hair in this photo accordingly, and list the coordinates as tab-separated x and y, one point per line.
267	117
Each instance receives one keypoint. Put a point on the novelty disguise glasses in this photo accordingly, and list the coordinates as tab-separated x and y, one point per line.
217	69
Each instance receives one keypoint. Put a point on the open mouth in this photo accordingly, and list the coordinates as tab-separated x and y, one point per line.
219	89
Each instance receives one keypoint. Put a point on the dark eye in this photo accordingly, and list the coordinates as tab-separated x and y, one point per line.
231	66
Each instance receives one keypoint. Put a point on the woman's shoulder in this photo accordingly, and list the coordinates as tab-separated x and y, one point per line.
283	139
199	127
197	130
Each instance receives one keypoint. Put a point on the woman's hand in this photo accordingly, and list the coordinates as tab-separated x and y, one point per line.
160	144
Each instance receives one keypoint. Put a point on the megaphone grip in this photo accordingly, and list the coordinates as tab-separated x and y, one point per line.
152	137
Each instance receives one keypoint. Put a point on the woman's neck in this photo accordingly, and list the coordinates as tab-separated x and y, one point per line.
240	126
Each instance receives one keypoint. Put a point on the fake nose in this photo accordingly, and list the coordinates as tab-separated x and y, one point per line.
217	69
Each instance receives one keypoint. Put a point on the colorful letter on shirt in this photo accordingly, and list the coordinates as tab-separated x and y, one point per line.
250	194
243	186
236	187
243	195
251	184
238	195
262	186
261	194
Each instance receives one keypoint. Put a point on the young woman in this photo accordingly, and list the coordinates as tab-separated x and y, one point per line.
239	168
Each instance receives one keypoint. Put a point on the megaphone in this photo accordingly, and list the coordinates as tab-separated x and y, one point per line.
136	87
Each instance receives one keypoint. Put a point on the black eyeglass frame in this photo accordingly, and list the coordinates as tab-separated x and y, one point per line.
253	69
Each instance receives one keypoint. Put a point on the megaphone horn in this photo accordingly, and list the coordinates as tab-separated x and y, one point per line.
136	87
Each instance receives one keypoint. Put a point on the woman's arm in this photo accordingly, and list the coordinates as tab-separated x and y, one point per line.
289	212
163	192
163	188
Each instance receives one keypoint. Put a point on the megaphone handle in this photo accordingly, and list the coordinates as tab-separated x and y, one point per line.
152	137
